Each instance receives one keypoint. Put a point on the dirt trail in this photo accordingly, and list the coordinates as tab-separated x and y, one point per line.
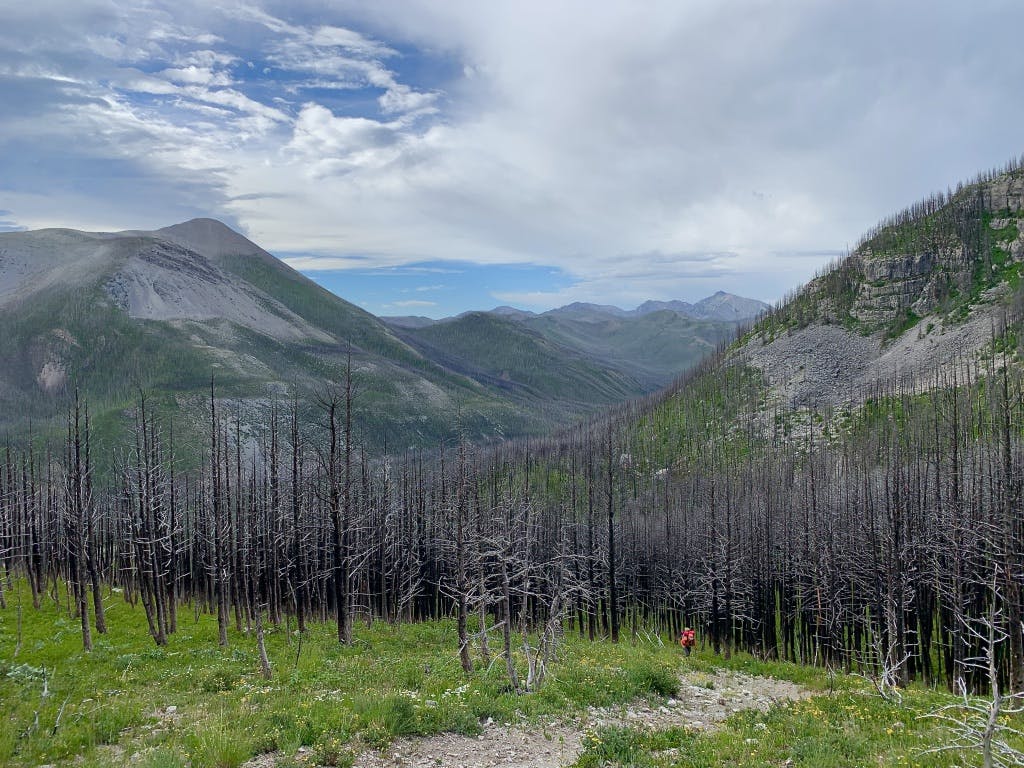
703	701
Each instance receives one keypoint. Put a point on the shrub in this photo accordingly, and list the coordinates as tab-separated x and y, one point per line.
108	723
330	750
616	745
316	720
651	677
382	719
219	679
217	748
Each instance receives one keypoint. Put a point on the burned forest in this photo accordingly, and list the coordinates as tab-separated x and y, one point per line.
875	539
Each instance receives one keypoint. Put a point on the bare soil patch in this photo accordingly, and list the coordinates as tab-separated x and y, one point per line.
704	700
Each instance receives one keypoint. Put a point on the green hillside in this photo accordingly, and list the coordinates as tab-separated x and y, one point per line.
943	256
500	352
654	348
161	313
614	354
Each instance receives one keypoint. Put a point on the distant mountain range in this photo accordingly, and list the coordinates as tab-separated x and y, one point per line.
722	306
651	344
117	314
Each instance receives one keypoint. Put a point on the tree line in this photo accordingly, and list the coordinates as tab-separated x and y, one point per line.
874	538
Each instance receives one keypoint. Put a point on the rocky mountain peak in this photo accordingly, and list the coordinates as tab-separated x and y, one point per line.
213	238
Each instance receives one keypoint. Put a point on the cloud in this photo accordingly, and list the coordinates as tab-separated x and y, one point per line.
339	57
399	99
339	37
204	58
193	75
412	303
639	151
323	263
330	144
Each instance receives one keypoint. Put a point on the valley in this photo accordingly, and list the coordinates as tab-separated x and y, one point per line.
511	385
835	495
164	313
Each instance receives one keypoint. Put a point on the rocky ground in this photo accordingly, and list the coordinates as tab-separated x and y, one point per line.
703	701
829	366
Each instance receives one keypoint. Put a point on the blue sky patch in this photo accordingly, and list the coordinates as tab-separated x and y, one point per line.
437	288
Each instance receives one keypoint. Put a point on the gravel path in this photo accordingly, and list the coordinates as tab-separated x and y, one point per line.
703	702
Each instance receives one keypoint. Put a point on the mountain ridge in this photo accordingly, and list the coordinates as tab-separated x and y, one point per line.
115	314
718	306
648	346
922	296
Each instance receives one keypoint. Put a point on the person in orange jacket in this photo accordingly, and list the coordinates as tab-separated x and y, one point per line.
687	639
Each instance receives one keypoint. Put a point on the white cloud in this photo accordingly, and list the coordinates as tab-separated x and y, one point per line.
193	75
323	263
321	137
399	99
351	40
228	97
636	148
204	58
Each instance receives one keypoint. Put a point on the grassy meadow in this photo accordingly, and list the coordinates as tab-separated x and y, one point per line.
194	704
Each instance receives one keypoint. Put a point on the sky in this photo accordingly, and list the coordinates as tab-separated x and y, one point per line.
424	157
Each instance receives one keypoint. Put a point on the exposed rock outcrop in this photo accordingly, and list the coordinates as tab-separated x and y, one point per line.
923	294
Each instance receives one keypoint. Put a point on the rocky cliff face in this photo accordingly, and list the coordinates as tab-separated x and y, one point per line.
945	259
893	283
923	293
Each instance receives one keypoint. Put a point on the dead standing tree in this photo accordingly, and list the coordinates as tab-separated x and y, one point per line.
336	467
218	524
78	515
979	724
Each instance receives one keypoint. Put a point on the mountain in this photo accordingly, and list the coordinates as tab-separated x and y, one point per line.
506	311
409	321
925	293
582	309
116	314
684	308
721	306
842	481
647	347
501	352
727	306
654	348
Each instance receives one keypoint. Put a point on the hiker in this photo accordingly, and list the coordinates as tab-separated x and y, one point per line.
687	639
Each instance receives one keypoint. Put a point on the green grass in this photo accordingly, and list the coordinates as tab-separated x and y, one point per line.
849	728
902	323
105	706
393	681
844	724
